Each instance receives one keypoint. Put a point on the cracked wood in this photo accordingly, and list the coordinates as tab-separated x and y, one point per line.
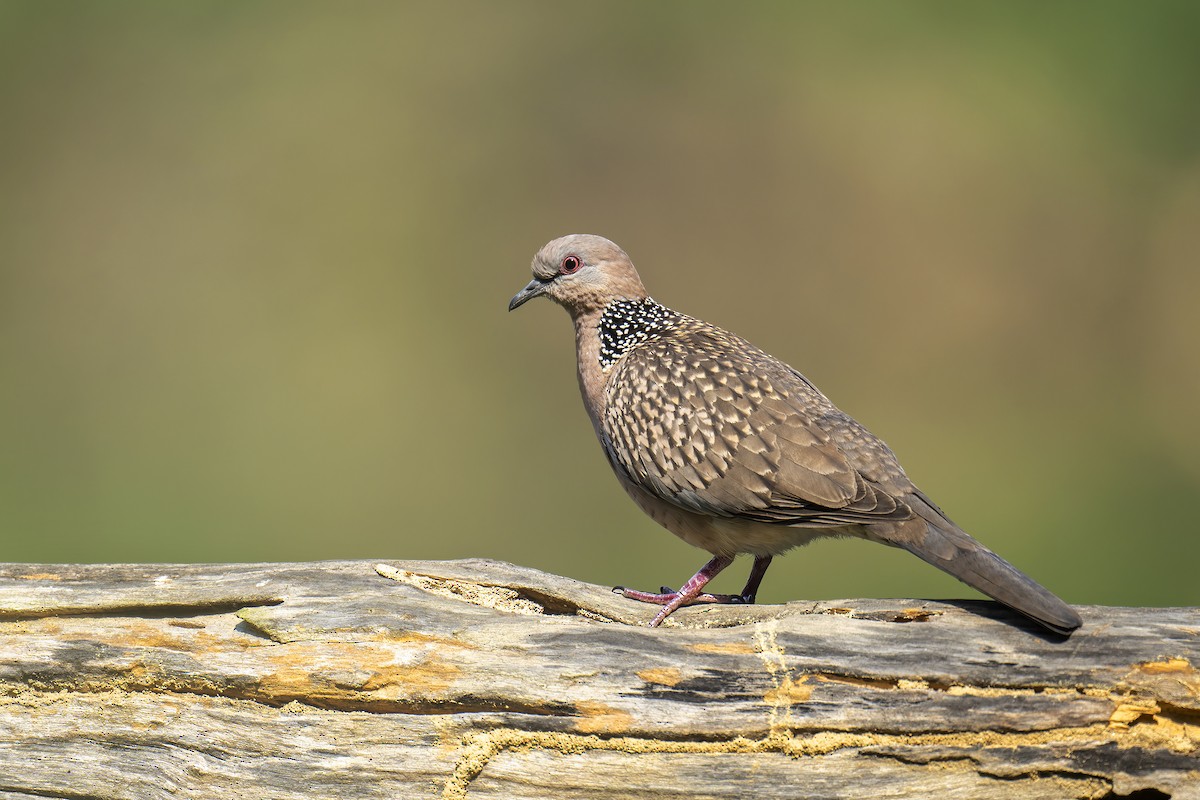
483	679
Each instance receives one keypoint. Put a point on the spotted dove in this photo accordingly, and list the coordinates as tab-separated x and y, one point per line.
734	451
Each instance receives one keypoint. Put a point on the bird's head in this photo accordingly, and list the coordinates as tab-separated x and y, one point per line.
581	273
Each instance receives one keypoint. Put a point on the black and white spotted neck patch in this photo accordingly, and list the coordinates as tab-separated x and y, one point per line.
627	323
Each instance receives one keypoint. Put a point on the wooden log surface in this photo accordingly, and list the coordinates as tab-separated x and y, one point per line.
480	679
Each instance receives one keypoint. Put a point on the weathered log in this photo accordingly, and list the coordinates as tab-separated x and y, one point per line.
476	679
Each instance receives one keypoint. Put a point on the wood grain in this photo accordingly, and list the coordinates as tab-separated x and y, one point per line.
476	679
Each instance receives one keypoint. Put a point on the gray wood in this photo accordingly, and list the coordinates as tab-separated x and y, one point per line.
484	679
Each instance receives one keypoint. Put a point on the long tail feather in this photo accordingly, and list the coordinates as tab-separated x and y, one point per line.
947	547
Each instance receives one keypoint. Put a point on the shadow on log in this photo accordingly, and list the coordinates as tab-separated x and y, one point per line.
479	679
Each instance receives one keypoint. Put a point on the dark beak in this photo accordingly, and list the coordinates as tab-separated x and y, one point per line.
531	290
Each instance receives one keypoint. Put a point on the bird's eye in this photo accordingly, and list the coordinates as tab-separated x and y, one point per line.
569	265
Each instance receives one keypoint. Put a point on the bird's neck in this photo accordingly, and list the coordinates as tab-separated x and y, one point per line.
587	357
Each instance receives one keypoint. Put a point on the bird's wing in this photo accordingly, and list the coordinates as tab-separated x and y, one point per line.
706	421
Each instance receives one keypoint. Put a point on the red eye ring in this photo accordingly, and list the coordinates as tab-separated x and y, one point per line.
570	265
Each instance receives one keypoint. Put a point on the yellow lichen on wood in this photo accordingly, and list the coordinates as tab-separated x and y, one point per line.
789	691
722	648
663	676
1169	665
1131	711
597	717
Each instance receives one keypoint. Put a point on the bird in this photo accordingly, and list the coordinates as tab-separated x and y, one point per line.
734	451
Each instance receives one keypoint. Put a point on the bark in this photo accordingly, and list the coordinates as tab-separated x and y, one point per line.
478	679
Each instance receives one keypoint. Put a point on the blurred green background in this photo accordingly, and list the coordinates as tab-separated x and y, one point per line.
255	258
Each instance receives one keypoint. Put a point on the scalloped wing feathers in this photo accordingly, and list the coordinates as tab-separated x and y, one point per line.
703	419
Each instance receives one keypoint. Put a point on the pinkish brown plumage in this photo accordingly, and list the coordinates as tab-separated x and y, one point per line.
733	450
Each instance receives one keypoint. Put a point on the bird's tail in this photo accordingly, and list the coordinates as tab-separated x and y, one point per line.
947	547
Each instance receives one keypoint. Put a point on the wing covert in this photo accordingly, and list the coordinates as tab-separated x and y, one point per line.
684	423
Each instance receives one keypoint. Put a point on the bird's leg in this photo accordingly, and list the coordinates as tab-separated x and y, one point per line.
750	591
690	592
667	594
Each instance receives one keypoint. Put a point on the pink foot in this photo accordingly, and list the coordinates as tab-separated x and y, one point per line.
693	592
